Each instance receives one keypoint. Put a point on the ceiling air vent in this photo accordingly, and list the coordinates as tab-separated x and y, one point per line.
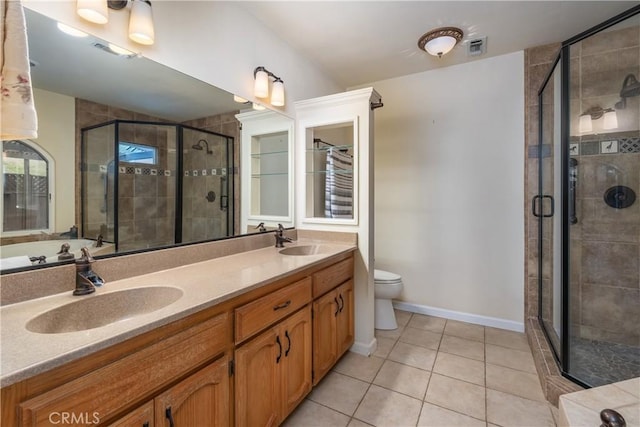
477	46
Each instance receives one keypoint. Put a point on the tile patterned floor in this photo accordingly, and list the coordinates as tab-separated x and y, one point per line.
432	372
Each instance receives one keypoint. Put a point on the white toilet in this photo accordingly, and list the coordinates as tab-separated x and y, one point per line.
387	287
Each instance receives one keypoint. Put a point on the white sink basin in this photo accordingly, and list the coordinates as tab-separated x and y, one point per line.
306	250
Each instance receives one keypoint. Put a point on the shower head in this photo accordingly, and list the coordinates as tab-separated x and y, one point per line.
198	146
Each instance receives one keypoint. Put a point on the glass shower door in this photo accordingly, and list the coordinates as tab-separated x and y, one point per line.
546	207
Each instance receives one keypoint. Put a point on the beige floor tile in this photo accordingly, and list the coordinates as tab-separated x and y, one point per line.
630	386
357	423
358	366
459	367
464	330
504	338
509	380
462	347
413	355
515	359
421	337
382	407
435	416
457	395
311	414
403	379
393	334
509	410
403	317
429	323
385	345
339	392
607	396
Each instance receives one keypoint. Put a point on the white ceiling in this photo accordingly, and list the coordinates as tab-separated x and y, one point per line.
359	42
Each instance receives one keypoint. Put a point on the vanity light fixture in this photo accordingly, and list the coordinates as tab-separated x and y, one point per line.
141	28
594	113
440	41
261	86
70	30
239	99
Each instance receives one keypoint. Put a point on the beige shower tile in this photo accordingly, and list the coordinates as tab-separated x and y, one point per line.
382	407
403	379
464	330
509	380
358	366
435	416
457	395
459	367
339	392
413	355
462	347
420	337
508	410
515	359
505	338
310	414
429	323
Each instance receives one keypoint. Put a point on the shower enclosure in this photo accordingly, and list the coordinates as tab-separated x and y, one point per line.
149	184
588	207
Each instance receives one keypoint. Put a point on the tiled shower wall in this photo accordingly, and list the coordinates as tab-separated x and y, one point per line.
605	242
147	194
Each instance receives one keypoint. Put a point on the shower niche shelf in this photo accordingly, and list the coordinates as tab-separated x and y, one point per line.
267	196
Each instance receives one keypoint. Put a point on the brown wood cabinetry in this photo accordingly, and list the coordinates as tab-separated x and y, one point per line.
333	328
273	371
181	374
200	400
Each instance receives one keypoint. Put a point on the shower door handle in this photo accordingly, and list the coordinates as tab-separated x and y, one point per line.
224	197
535	212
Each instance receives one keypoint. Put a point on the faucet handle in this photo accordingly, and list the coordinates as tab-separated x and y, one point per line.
86	256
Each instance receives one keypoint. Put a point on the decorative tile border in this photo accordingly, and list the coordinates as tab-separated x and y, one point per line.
592	148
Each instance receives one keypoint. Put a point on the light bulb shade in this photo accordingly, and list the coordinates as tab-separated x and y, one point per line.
585	123
261	85
95	11
277	93
440	45
610	120
141	22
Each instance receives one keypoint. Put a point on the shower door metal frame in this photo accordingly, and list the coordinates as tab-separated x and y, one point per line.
563	59
231	171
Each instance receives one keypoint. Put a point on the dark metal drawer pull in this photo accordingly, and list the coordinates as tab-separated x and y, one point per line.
281	306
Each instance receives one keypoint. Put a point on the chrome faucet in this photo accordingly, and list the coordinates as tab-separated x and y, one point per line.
280	237
86	279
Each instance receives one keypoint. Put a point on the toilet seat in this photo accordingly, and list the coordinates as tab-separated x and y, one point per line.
381	276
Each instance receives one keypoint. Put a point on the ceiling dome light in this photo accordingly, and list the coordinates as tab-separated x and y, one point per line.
440	41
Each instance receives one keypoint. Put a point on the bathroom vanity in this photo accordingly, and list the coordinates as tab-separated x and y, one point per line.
244	341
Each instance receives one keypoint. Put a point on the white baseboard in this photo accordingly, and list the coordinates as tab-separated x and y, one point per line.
477	319
364	348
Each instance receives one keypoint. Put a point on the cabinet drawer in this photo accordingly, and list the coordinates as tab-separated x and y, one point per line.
261	313
330	277
110	389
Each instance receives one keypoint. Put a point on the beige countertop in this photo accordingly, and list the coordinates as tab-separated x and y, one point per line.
24	353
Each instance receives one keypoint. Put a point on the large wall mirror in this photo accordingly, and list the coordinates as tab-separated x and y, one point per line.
131	155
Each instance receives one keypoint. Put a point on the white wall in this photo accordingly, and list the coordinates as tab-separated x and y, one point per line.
449	182
57	135
215	41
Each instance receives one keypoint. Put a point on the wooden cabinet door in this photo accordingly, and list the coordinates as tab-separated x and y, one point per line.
325	352
140	417
296	366
200	400
257	380
345	327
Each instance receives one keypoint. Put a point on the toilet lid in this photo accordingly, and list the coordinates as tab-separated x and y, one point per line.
385	276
